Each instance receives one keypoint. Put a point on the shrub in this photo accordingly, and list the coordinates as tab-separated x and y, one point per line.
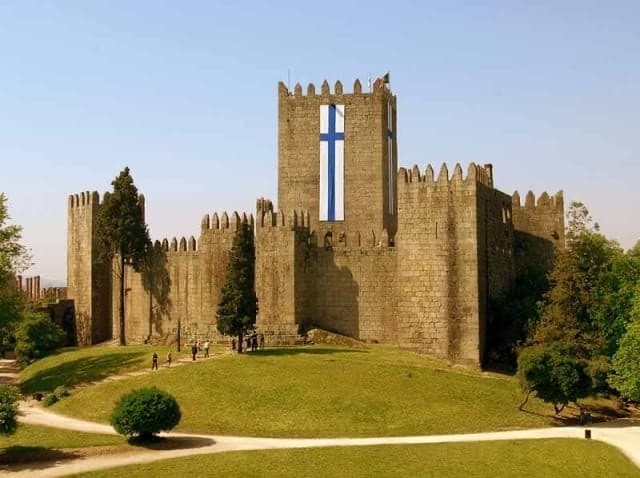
626	364
145	412
8	409
37	336
50	399
61	392
554	373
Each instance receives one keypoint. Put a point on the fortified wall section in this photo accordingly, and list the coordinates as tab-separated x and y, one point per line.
539	229
437	241
365	149
88	279
184	286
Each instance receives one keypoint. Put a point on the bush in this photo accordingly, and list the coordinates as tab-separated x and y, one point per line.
50	399
145	412
626	364
554	373
37	336
61	392
8	409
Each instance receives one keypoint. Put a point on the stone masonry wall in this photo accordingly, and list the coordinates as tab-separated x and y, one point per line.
539	229
88	280
365	153
438	285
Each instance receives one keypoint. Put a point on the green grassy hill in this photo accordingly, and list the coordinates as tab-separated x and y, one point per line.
319	391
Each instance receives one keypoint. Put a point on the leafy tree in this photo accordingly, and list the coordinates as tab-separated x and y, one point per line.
14	257
123	233
37	336
568	313
145	412
626	364
8	409
554	374
239	305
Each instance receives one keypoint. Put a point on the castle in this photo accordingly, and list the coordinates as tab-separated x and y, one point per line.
355	246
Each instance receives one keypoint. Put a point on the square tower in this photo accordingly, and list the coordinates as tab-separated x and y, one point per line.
337	157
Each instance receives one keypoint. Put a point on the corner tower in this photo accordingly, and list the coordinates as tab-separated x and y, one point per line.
337	157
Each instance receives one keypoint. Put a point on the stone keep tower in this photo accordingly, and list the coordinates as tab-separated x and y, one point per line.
338	157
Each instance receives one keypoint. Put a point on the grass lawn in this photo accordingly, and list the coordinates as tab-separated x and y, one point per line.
322	391
72	366
41	441
531	458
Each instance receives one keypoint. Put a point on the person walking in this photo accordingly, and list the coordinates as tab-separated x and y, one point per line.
154	361
198	345
233	344
261	341
194	351
206	349
168	360
254	342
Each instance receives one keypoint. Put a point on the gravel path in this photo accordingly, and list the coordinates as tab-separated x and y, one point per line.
623	434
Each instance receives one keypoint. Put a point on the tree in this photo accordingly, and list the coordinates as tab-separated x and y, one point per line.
554	374
37	336
626	364
14	257
239	305
145	412
568	313
122	233
8	409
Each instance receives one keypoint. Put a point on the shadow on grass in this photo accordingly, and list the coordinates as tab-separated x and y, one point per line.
304	350
32	457
81	370
172	443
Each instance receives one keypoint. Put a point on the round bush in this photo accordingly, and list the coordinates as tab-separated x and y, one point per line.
8	409
50	399
61	392
143	413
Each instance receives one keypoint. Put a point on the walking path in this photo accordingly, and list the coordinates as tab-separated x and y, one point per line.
621	434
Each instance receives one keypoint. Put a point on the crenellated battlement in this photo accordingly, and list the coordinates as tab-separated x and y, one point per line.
85	198
324	90
555	202
225	222
475	174
296	219
177	245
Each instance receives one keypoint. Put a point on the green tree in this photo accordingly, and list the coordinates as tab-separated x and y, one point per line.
37	336
238	306
626	364
554	374
122	233
568	312
8	409
14	258
145	412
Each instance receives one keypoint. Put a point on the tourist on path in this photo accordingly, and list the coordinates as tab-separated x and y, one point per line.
206	349
233	344
154	361
168	358
254	342
261	341
194	351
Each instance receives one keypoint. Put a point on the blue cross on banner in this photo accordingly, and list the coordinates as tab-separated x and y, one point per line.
390	163
332	162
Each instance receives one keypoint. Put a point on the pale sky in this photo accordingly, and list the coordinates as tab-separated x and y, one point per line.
185	94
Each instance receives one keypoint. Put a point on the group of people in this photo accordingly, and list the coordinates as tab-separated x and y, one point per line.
197	347
251	342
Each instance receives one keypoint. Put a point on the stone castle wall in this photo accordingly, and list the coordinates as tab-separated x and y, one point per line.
365	173
420	274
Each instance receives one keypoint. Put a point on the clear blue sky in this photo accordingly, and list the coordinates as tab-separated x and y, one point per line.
185	94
